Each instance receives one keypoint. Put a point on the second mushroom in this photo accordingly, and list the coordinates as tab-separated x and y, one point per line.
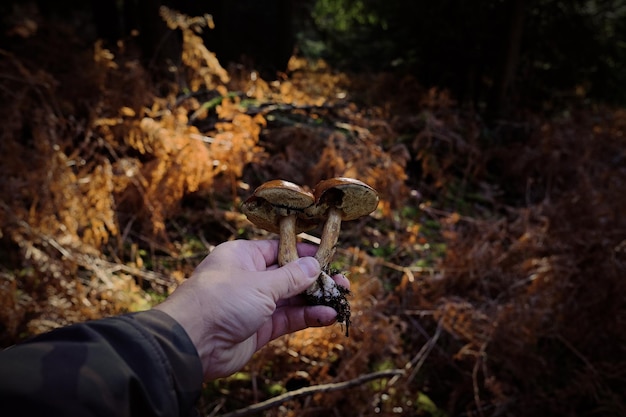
336	200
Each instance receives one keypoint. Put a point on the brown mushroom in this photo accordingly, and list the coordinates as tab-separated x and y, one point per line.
336	200
278	206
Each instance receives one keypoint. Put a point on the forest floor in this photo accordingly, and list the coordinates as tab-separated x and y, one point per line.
489	281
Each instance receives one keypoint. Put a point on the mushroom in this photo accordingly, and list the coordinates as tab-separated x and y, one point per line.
287	209
277	206
336	199
339	199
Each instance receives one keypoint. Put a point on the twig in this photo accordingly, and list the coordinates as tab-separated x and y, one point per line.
419	359
217	408
576	352
416	363
437	212
408	270
151	276
211	104
306	391
476	386
265	108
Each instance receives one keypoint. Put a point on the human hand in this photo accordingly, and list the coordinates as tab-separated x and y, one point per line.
238	299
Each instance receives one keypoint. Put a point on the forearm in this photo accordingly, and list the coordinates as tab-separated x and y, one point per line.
138	364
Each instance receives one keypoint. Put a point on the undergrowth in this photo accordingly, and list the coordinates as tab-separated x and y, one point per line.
491	273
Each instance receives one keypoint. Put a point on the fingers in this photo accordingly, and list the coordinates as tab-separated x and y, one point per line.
305	249
342	281
268	249
291	319
298	300
291	279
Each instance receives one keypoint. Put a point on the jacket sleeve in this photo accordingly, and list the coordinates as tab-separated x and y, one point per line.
140	364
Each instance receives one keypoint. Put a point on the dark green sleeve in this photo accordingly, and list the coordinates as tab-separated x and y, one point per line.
140	364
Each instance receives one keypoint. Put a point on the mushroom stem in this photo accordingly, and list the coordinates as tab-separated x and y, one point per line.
328	240
325	285
287	250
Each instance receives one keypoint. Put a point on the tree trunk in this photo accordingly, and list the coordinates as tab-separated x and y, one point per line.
501	96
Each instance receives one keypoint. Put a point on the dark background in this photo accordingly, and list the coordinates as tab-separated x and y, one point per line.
492	54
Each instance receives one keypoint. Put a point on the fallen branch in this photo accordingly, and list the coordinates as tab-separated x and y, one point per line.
302	392
102	268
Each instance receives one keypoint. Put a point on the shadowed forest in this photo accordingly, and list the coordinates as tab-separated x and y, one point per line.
490	280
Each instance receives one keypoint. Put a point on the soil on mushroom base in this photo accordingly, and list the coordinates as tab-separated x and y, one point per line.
337	300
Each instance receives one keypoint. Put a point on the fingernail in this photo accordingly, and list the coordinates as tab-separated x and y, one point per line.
330	319
310	266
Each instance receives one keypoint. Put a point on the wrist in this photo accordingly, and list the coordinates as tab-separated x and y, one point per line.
187	312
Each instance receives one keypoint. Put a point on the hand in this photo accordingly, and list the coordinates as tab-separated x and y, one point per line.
238	299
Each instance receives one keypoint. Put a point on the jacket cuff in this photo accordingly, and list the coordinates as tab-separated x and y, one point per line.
180	358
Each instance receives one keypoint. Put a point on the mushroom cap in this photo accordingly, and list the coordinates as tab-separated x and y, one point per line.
285	194
276	199
352	197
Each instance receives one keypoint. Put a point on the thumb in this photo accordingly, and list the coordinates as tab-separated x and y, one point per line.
292	278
